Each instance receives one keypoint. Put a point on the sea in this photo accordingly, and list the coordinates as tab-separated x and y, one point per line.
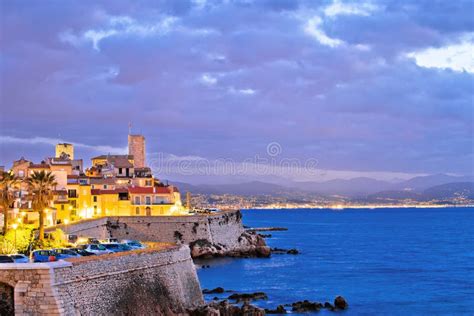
398	261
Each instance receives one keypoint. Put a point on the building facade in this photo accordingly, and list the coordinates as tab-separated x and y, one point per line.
114	185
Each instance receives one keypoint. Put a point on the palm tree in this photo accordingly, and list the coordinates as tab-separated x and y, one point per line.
8	182
41	185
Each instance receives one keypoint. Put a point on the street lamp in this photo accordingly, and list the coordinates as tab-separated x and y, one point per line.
66	221
15	226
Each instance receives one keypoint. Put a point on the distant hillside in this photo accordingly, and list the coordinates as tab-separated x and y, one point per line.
424	182
451	191
352	187
248	188
447	191
418	188
386	196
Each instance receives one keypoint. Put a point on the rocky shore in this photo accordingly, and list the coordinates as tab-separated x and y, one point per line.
250	244
230	306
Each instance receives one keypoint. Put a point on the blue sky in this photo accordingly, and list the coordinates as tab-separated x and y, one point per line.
377	88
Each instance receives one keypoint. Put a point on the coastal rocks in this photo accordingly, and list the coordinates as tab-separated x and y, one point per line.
223	308
266	229
280	251
306	306
217	290
250	244
202	248
248	297
279	310
340	302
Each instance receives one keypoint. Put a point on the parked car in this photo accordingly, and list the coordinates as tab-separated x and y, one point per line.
6	259
97	249
63	253
110	241
116	247
82	252
20	258
72	239
134	244
43	256
87	240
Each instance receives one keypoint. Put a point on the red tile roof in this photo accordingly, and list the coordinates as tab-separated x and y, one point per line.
149	190
115	191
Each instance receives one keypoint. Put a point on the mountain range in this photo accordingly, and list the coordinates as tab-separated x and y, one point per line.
421	187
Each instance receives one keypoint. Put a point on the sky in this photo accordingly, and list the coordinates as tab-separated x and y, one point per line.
228	91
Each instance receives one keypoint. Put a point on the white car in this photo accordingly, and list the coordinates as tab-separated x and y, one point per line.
97	249
134	244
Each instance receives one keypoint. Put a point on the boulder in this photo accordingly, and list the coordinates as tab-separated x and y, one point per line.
279	310
340	302
329	306
217	290
248	297
306	306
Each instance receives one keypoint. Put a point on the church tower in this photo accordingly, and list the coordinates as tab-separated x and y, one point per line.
136	147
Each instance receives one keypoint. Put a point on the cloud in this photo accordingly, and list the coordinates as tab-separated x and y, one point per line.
247	91
457	57
208	79
313	28
313	25
339	8
120	26
53	141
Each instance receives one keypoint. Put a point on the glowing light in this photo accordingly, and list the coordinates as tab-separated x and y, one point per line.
15	226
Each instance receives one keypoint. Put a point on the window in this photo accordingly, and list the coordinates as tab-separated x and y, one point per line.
71	193
105	186
95	198
62	207
120	170
137	211
21	173
137	200
148	200
147	183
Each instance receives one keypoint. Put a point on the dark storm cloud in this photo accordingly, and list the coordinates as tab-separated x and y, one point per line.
329	80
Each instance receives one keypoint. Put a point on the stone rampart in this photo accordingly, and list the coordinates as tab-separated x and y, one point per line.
153	281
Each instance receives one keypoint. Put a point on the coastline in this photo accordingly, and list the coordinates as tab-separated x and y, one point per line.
355	207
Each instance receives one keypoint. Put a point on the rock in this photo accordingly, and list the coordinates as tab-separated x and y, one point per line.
306	306
250	244
329	306
247	297
223	308
340	302
205	310
266	229
217	290
279	310
292	251
250	310
265	235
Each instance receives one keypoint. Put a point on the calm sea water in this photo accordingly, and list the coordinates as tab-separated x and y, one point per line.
384	262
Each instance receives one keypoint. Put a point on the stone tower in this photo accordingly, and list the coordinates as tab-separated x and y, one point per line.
136	147
65	150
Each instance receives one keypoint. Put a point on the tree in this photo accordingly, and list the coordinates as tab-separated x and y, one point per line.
41	185
8	181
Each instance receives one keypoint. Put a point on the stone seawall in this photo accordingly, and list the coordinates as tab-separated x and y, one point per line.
144	282
213	234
